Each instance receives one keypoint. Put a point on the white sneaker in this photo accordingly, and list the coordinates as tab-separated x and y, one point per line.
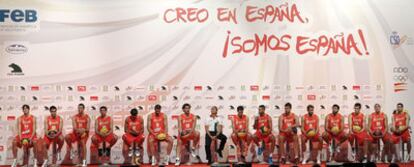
407	158
72	154
137	153
58	156
318	161
84	163
177	161
304	161
14	164
166	160
44	163
193	154
153	161
130	153
35	162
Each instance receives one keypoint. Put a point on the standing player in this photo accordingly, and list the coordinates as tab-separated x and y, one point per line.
53	133
399	129
81	126
263	135
104	134
241	136
310	132
186	130
288	122
334	130
26	134
133	137
157	125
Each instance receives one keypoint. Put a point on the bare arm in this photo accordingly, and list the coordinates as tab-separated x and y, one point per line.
369	124
45	126
317	125
302	128
342	124
166	124
74	125
247	122
349	124
112	126
149	125
88	124
141	131
96	127
179	125
60	125
126	129
19	131
34	126
386	123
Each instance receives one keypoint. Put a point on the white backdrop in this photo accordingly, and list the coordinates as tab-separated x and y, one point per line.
127	54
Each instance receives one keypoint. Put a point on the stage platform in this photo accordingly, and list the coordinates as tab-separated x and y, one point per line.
411	164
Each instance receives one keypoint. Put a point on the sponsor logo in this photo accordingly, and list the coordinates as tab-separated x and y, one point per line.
16	49
16	70
400	78
18	20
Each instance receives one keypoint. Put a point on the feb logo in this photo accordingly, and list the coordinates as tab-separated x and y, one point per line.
18	15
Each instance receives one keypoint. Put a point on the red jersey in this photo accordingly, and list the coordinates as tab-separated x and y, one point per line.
288	120
240	123
400	119
157	123
357	120
135	125
310	122
187	122
377	122
27	124
81	121
53	124
263	121
334	120
104	122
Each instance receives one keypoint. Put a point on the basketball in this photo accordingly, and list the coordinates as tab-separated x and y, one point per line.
401	128
264	130
241	134
335	129
25	142
311	133
356	128
104	130
161	136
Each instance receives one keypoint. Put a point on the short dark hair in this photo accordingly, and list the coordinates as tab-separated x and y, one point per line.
103	107
186	105
288	105
81	105
358	105
52	108
400	104
157	106
134	112
309	106
25	106
240	108
262	106
336	105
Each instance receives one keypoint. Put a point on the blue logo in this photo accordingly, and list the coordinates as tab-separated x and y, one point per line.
395	38
18	15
